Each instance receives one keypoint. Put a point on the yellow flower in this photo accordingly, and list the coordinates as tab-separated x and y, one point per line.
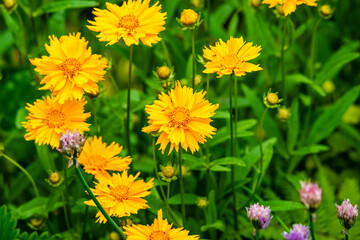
181	117
98	158
188	17
120	195
70	69
231	57
289	6
159	230
48	119
132	21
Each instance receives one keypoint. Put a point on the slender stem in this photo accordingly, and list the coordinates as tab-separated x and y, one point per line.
127	127
167	196
232	155
261	151
208	182
25	172
97	130
236	114
193	57
311	223
167	55
282	59
102	210
313	48
157	172
67	221
346	236
257	237
67	210
181	189
86	215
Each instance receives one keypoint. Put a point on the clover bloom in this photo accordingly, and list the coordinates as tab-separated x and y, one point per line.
70	69
134	20
120	195
71	145
48	119
298	232
289	6
182	117
259	216
231	57
98	158
159	230
310	195
347	214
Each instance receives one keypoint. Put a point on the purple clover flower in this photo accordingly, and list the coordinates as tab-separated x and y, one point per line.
310	195
347	213
70	145
259	216
298	232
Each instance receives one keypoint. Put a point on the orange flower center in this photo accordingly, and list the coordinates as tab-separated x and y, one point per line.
230	61
70	67
180	116
120	193
159	235
97	162
55	118
129	22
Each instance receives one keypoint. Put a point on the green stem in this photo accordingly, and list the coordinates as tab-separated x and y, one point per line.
312	49
181	189
232	155
157	172
95	117
236	114
257	237
67	210
102	210
193	57
86	215
208	182
346	236
167	196
261	151
67	221
167	55
127	127
311	224
282	59
25	172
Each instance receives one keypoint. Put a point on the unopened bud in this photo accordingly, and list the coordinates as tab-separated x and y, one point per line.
326	11
189	17
283	113
255	3
163	72
280	10
126	222
54	177
202	202
169	171
114	236
328	86
8	4
36	222
198	79
272	98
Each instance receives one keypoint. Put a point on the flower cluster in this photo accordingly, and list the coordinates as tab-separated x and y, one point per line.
347	213
259	216
71	144
298	232
310	195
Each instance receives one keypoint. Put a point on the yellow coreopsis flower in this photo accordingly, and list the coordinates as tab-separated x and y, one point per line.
134	20
48	119
70	69
182	117
289	6
98	158
231	57
159	230
120	195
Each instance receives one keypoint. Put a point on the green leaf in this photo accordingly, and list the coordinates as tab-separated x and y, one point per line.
35	206
270	125
61	5
219	225
293	125
229	161
218	18
56	23
43	153
312	149
35	236
337	61
21	115
6	40
330	119
300	78
234	23
219	168
280	206
188	199
8	229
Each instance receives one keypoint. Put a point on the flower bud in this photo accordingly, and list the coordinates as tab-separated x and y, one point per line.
255	3
8	4
167	84
280	10
328	86
54	177
94	94
283	113
169	171
126	222
198	79
188	17
36	222
310	195
163	72
326	11
347	214
202	202
259	216
185	171
114	236
197	3
272	98
298	232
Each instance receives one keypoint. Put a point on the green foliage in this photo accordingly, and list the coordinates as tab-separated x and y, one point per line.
7	225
